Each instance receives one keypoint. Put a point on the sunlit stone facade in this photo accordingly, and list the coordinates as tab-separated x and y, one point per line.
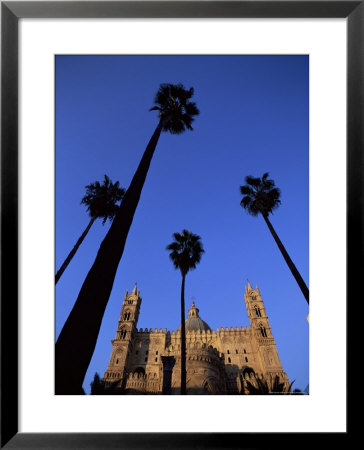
217	362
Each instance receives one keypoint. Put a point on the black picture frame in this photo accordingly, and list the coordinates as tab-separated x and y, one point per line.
11	12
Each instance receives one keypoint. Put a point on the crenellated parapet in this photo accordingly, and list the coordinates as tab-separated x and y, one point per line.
143	383
152	330
193	335
233	332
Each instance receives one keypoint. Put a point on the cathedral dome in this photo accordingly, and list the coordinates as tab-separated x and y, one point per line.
194	321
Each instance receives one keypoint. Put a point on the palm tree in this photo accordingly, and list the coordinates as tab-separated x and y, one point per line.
77	340
186	251
101	201
261	196
261	386
99	387
297	392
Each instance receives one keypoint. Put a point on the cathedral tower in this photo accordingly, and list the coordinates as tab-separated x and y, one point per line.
125	332
256	313
262	337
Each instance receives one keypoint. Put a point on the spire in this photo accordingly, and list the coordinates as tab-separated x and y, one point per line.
135	289
249	286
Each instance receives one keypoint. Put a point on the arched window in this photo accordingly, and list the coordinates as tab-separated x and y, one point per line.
263	330
257	311
228	352
117	357
229	359
246	359
122	334
127	315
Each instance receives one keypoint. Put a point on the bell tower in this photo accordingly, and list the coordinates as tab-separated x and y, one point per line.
127	326
262	337
129	314
256	312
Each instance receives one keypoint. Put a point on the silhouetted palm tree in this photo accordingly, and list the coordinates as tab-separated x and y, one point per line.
262	387
261	196
298	392
99	387
186	251
101	201
77	340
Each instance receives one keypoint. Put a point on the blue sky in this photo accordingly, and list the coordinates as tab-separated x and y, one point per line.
254	116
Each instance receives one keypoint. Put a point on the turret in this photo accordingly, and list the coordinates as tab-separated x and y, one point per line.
193	311
129	314
256	312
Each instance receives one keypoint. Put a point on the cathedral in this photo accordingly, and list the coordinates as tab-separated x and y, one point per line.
217	362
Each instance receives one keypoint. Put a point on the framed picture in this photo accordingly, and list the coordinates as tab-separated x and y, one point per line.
25	172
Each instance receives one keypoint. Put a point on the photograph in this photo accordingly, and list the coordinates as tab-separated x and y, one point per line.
182	224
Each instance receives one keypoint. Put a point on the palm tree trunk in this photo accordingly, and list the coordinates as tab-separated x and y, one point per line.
288	260
77	340
74	250
183	338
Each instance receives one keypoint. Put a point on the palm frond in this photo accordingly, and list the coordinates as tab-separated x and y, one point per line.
253	181
246	201
260	195
175	110
262	386
101	199
191	109
163	94
246	190
185	251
